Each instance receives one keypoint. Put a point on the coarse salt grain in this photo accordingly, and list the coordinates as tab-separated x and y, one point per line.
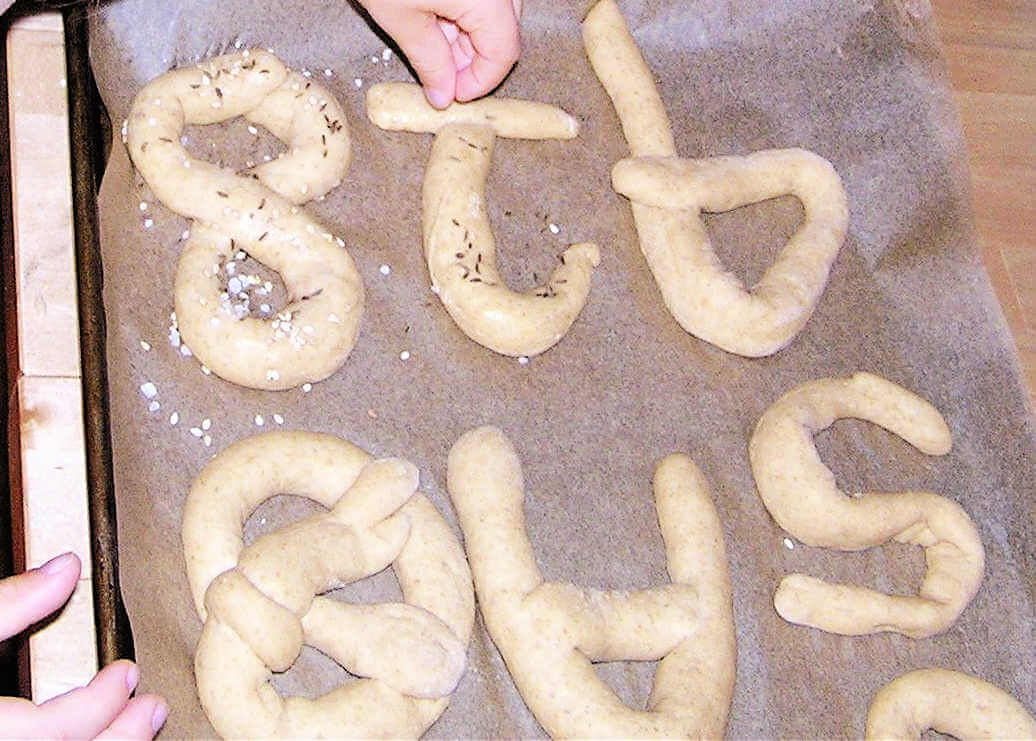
405	355
154	406
789	544
143	205
385	270
523	360
358	82
278	419
328	73
206	423
185	235
272	375
554	228
196	431
386	54
205	370
333	318
253	130
185	351
259	421
149	390
207	439
435	289
145	346
307	387
174	419
148	223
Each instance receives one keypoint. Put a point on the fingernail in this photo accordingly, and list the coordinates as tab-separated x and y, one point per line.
58	564
437	98
132	677
158	717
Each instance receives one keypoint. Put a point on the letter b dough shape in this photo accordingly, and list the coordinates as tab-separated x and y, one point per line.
256	211
258	602
800	493
458	239
549	632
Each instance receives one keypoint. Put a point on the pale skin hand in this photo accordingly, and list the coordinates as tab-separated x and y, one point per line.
460	49
103	709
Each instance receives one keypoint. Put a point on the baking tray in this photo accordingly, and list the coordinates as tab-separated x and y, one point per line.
90	144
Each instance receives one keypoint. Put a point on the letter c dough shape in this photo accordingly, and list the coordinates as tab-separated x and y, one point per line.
257	211
458	239
668	195
950	702
800	493
550	632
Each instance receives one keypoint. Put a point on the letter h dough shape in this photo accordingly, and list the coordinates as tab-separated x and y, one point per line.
800	493
458	238
668	195
549	632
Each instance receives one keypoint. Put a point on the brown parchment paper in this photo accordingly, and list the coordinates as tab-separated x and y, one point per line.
861	83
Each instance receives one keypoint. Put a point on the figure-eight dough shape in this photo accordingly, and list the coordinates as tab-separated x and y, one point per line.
258	602
549	632
458	239
800	493
257	211
950	702
668	195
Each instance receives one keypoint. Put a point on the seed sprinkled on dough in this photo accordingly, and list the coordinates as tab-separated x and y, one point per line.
385	270
196	431
278	419
405	355
174	419
789	544
523	360
259	421
307	387
154	406
149	390
272	375
145	346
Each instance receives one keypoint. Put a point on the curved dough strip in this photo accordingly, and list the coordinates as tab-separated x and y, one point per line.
258	606
703	297
255	211
950	702
800	493
549	632
458	238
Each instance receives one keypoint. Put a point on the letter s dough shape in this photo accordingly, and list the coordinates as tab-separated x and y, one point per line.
800	493
549	632
258	603
257	211
458	239
668	195
950	702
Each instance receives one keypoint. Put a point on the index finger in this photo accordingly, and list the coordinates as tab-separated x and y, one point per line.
492	27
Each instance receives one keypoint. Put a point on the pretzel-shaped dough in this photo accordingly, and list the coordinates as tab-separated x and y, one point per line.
458	238
549	632
258	606
800	493
950	702
668	194
253	210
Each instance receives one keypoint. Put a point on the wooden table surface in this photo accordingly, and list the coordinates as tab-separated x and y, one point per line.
991	50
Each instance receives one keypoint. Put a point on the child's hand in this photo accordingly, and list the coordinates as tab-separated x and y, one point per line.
102	709
461	49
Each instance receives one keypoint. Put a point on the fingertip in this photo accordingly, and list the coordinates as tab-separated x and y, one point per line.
142	718
438	97
59	564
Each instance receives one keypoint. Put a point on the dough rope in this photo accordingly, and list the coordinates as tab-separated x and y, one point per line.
800	493
950	702
668	195
549	632
256	211
458	239
258	603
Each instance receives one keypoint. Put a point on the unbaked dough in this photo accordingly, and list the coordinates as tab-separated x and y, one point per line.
458	239
668	195
256	211
550	632
258	604
800	493
950	702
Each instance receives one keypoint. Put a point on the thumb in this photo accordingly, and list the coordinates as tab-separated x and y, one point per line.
31	596
426	48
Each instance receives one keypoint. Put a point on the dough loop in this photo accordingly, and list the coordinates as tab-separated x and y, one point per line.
668	195
950	702
550	632
800	493
258	602
256	211
458	238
